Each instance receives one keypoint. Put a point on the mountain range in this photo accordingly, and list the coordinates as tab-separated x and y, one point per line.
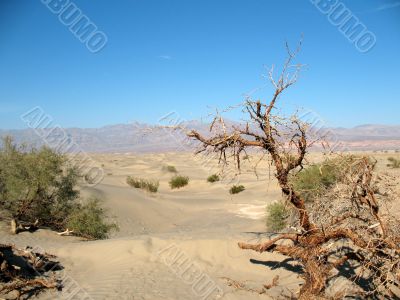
140	137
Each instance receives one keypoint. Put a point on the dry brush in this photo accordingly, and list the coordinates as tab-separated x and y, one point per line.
344	227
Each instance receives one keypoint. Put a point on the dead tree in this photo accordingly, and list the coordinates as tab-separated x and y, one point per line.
23	272
373	245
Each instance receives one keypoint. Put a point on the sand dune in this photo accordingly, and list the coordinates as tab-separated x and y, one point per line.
175	244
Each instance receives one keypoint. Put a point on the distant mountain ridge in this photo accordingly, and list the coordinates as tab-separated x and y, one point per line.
140	137
369	131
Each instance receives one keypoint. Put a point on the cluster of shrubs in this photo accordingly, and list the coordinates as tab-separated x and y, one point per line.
235	189
140	183
177	181
40	184
393	163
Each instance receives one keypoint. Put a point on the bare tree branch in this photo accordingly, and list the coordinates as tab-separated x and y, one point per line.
286	141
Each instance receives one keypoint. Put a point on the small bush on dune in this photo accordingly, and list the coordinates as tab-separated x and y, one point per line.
133	182
151	186
236	189
276	216
178	181
87	220
393	163
140	183
213	178
170	169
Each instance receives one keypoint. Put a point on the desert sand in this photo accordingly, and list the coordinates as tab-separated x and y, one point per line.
175	244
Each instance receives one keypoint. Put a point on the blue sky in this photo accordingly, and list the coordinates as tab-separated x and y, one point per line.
190	56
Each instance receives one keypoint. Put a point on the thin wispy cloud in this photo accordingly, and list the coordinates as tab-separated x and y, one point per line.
166	57
382	7
388	6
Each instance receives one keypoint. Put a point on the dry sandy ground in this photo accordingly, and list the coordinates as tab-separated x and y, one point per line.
176	244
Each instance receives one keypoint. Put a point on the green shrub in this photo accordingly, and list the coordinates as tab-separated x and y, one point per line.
140	183
236	189
277	215
178	181
133	182
312	181
213	178
87	220
393	163
37	184
170	169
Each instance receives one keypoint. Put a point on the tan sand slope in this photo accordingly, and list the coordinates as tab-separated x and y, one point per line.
176	244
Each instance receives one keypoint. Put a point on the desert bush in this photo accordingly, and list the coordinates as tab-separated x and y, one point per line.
236	189
277	215
88	220
213	178
170	169
133	182
140	183
37	184
393	163
315	179
178	181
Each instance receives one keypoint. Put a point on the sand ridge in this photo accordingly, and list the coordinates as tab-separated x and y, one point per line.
198	225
